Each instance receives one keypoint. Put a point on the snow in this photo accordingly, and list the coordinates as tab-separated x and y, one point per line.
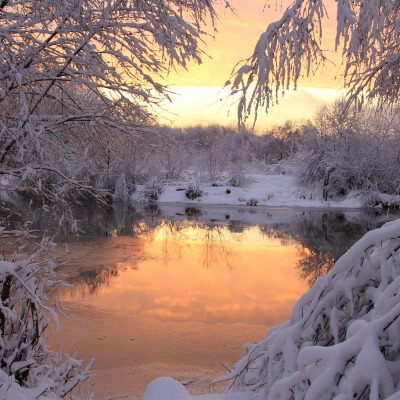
302	356
261	190
164	388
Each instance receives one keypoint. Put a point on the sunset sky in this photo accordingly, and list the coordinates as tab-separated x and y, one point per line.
200	98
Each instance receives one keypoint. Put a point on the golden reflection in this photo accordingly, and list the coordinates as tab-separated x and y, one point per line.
203	274
182	298
195	295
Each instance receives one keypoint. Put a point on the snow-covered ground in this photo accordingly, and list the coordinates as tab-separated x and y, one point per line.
260	190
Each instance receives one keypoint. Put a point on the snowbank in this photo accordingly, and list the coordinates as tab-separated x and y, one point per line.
261	190
169	389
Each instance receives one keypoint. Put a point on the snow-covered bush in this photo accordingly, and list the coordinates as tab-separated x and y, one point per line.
193	191
349	150
28	369
152	190
237	180
377	199
342	340
252	202
281	168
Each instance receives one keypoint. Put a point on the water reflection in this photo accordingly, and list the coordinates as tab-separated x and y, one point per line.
314	263
214	240
89	281
297	247
197	273
185	289
322	237
327	236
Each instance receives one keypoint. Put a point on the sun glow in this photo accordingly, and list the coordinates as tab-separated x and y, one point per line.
200	97
204	105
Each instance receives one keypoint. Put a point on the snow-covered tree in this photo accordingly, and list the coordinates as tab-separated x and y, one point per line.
368	34
349	150
94	66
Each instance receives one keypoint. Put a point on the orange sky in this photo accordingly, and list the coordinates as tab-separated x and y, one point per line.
199	90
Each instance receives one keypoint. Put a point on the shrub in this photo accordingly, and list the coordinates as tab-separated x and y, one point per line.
252	202
193	191
29	370
237	180
152	190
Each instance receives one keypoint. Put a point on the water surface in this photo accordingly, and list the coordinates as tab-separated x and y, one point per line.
178	291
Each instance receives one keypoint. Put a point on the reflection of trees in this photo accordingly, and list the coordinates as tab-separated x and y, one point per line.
173	235
86	218
177	235
216	252
276	231
327	236
323	236
235	226
314	263
89	281
193	213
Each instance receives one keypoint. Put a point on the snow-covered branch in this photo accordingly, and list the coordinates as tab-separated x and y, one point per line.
367	33
29	369
287	49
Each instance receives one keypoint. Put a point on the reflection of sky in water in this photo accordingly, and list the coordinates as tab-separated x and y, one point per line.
184	297
203	274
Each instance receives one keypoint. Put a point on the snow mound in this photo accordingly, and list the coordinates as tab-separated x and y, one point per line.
342	341
165	389
169	389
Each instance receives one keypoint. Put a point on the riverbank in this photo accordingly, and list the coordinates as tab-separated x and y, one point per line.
260	190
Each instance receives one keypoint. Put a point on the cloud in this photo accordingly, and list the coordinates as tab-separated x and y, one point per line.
204	105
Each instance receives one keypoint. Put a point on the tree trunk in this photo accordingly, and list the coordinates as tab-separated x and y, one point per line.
326	183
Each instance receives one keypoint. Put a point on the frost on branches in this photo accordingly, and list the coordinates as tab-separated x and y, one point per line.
79	80
28	369
368	33
342	341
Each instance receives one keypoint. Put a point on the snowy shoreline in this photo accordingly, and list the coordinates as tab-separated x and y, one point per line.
269	191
